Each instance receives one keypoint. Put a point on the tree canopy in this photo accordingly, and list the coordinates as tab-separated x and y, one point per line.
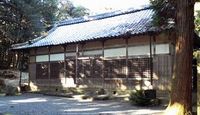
22	20
164	12
197	22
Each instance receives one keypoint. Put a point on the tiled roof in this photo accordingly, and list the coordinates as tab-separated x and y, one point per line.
104	26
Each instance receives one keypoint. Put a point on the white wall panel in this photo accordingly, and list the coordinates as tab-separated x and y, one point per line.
115	52
162	49
42	58
57	57
92	52
139	50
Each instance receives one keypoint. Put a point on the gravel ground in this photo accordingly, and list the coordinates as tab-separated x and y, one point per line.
37	104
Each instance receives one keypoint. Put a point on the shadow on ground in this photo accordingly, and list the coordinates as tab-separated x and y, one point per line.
37	104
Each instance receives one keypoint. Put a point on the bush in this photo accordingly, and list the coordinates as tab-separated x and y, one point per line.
102	97
10	90
101	91
86	97
138	98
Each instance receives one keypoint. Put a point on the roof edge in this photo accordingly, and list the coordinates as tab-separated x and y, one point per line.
99	16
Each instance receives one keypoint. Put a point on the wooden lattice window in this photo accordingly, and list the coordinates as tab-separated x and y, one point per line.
56	69
84	68
139	67
115	68
97	67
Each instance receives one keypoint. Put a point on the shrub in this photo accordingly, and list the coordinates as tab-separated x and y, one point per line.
101	91
74	91
102	97
10	90
86	97
139	98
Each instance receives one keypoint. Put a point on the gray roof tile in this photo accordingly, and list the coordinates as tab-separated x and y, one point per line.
103	26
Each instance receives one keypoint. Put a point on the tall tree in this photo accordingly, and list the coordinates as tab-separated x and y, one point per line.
22	20
182	13
181	94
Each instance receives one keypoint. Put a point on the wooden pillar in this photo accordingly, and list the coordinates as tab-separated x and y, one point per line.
103	76
127	70
82	49
77	53
49	68
103	46
65	67
20	68
154	45
29	68
151	60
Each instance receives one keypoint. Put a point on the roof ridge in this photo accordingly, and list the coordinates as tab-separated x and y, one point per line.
99	16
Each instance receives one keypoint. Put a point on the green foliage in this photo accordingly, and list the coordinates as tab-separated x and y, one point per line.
22	20
196	55
25	19
102	97
67	10
165	12
138	98
101	91
197	22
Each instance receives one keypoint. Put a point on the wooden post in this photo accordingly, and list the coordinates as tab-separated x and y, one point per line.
65	67
154	45
103	48
49	69
82	49
127	71
77	53
20	68
29	69
103	76
151	60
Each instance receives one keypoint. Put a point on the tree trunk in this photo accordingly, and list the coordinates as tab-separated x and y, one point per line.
181	92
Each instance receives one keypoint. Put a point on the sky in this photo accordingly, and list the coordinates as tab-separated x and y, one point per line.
100	6
196	7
